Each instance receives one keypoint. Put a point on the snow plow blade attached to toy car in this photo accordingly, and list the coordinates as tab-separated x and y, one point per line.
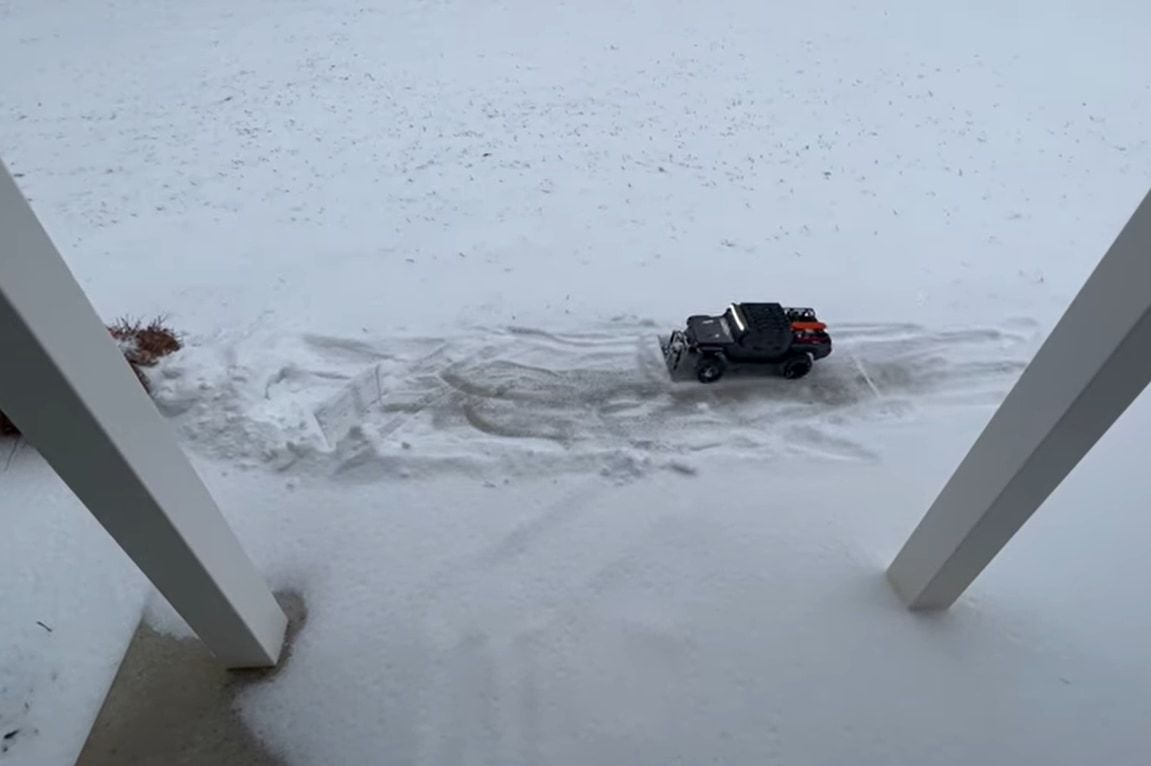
785	340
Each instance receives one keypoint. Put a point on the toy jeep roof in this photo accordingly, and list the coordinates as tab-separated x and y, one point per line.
787	339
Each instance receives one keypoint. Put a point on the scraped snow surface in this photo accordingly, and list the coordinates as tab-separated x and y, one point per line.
422	252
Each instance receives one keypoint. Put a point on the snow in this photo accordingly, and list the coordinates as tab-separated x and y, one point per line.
589	623
421	252
71	600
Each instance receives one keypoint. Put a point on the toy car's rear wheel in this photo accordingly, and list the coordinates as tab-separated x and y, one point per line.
710	368
796	367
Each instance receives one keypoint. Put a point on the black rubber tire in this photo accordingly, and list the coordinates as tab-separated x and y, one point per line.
796	367
710	368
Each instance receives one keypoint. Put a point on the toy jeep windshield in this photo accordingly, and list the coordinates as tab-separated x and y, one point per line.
785	340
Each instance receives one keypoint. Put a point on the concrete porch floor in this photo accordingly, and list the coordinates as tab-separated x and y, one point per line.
172	704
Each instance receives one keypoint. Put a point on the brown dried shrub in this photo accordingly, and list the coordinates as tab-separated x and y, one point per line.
144	345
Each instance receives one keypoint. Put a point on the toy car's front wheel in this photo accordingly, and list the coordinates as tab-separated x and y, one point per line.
710	368
796	367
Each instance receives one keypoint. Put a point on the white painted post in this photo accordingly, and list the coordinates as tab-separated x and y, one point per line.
1092	366
66	385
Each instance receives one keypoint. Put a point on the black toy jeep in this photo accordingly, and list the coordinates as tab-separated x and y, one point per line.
788	340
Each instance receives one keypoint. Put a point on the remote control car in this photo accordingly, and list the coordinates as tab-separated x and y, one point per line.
787	340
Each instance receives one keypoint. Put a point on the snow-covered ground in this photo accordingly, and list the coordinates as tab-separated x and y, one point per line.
422	251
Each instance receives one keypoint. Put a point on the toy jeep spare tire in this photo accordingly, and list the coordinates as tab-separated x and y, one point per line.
785	340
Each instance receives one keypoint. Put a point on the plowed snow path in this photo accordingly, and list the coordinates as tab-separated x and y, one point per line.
522	399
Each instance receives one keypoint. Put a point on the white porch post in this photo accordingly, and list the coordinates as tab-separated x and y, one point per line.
1093	365
66	385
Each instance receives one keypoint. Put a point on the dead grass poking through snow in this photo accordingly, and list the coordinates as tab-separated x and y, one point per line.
143	345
